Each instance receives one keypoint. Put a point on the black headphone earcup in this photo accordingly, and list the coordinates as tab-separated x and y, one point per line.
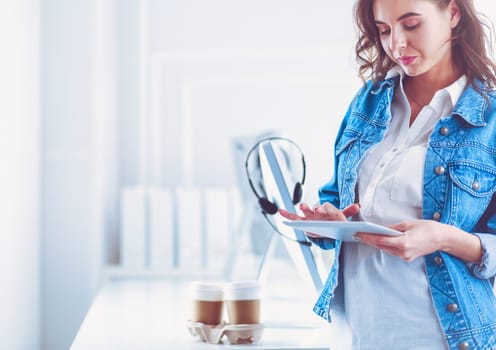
297	193
267	206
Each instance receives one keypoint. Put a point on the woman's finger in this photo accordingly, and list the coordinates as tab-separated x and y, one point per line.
290	216
306	210
351	210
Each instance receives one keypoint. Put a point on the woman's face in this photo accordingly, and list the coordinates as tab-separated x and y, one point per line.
416	34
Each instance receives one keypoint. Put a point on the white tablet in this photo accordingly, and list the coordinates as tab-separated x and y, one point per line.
342	230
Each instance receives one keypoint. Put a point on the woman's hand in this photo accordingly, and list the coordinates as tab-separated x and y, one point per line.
325	211
423	237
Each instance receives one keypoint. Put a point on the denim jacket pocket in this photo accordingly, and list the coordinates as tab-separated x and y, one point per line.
473	185
479	180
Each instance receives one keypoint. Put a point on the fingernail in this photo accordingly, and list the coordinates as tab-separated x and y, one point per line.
356	238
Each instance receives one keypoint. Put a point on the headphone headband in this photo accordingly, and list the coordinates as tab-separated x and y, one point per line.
267	206
274	138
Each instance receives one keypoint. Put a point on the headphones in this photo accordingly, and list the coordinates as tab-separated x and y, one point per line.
266	205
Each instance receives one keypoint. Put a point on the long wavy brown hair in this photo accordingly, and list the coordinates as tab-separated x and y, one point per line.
472	44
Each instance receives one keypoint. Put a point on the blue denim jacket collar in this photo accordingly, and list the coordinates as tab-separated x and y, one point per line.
471	107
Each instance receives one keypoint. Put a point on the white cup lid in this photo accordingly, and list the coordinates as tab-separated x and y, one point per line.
206	291
242	290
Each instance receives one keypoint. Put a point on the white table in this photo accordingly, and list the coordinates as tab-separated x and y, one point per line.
141	313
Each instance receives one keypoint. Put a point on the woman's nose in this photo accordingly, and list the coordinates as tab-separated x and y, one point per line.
397	41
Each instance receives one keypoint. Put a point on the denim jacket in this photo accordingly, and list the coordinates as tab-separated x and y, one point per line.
459	186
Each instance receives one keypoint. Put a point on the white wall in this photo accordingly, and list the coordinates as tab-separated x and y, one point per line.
19	174
78	160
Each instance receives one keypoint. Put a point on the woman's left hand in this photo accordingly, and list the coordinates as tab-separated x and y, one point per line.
421	237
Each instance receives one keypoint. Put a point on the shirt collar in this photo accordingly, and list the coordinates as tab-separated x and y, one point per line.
396	70
456	88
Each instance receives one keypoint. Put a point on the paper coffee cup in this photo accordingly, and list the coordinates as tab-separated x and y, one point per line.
207	302
243	302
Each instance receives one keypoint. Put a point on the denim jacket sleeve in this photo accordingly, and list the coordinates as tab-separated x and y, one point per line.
486	268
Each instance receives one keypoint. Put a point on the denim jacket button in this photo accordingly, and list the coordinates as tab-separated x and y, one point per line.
444	131
452	307
436	216
475	185
440	170
464	345
438	260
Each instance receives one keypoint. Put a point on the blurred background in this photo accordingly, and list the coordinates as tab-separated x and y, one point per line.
104	97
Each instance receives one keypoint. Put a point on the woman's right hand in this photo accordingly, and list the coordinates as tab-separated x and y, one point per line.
326	211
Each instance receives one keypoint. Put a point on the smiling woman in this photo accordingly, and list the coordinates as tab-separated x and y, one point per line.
415	152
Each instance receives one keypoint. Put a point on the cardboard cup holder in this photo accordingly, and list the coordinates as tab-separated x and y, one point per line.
234	333
242	301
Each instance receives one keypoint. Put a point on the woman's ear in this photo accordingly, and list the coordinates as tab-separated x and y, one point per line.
455	13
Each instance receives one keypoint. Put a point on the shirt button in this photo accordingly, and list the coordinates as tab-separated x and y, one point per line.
438	260
444	131
439	170
436	216
476	185
452	307
464	345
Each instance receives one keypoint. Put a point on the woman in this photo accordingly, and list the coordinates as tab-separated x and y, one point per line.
416	152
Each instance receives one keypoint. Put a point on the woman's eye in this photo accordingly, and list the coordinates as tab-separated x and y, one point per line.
411	25
383	30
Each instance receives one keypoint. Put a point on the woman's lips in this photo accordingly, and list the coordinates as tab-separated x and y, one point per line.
406	60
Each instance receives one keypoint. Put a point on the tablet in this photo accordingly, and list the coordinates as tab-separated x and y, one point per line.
342	230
